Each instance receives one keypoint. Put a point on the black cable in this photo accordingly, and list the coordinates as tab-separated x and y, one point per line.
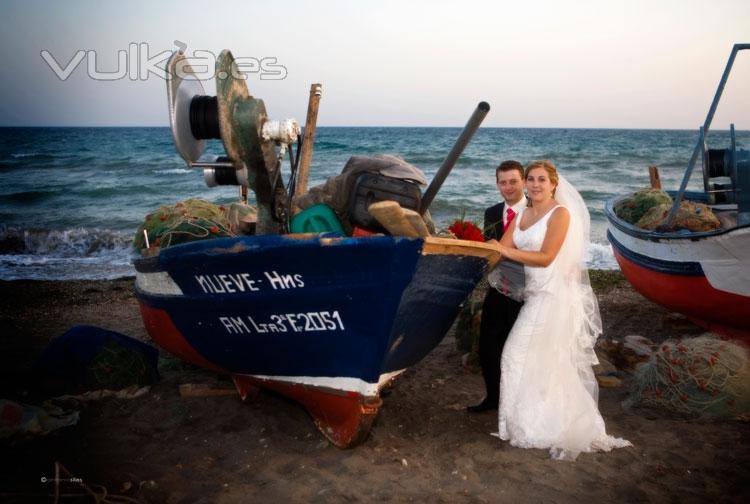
204	117
293	176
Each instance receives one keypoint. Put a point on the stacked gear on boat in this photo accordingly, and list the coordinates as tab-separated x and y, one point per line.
191	220
648	209
363	181
633	208
340	205
690	215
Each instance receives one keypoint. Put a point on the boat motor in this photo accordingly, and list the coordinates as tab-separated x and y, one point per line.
732	164
240	122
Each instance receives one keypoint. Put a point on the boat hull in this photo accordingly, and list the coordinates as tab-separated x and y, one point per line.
705	276
326	321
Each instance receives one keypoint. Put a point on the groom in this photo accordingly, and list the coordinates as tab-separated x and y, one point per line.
499	312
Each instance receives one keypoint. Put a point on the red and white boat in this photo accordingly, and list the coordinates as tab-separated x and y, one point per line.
704	275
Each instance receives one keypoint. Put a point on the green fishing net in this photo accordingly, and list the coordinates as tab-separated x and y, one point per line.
116	367
648	209
185	221
633	208
703	376
690	215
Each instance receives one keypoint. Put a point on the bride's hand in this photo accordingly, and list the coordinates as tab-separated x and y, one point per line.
502	249
496	244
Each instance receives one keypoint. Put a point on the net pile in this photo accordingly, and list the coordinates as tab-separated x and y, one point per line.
690	215
185	221
633	208
648	209
116	367
702	376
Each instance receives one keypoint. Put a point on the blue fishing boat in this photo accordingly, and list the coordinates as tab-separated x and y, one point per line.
326	321
323	318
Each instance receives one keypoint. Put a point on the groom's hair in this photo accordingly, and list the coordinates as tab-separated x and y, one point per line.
509	165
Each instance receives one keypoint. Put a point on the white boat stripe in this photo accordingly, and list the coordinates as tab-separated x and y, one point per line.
158	282
338	384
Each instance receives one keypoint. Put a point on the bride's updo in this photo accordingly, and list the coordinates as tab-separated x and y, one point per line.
548	167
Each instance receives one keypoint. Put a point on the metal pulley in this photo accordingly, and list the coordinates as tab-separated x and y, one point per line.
241	122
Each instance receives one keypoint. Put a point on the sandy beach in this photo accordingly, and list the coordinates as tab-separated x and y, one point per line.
162	447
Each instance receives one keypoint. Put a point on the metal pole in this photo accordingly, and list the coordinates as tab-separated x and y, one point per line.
704	133
463	140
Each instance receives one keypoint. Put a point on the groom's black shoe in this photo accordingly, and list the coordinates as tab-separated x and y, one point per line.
483	406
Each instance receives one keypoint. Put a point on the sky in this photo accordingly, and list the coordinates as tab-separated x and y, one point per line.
576	64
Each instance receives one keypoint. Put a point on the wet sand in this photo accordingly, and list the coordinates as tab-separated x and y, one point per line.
162	447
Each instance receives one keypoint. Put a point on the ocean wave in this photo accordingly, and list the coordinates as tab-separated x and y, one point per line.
600	256
174	170
104	192
29	154
64	254
27	197
65	243
14	267
324	145
425	160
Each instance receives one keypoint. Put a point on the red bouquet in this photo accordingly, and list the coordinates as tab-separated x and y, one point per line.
466	230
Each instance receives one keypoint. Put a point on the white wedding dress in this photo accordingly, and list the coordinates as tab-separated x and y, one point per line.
548	392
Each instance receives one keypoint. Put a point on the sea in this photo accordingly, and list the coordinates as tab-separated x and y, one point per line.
71	199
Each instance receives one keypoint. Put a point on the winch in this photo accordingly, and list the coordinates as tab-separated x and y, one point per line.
254	145
732	164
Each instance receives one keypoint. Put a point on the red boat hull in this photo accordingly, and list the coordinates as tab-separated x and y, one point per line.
715	310
344	417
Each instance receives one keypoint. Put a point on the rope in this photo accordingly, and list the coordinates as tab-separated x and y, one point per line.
97	492
701	376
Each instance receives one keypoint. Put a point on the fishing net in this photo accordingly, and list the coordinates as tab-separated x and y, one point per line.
648	209
185	221
89	358
467	326
690	215
702	376
116	367
633	208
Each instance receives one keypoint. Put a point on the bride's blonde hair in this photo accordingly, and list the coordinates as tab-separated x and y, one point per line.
548	167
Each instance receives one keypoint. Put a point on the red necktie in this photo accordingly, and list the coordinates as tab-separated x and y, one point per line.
510	214
504	288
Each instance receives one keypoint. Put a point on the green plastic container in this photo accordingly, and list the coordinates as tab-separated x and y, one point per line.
318	218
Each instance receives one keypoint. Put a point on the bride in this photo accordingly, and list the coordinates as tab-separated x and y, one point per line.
548	392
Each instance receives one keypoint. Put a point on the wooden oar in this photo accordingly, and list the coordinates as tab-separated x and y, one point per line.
308	139
417	222
394	218
451	246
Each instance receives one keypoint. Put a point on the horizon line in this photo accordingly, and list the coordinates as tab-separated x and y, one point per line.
396	127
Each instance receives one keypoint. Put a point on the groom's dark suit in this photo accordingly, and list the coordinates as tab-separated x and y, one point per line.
499	313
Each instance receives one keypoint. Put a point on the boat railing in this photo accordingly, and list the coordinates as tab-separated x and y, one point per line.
700	145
